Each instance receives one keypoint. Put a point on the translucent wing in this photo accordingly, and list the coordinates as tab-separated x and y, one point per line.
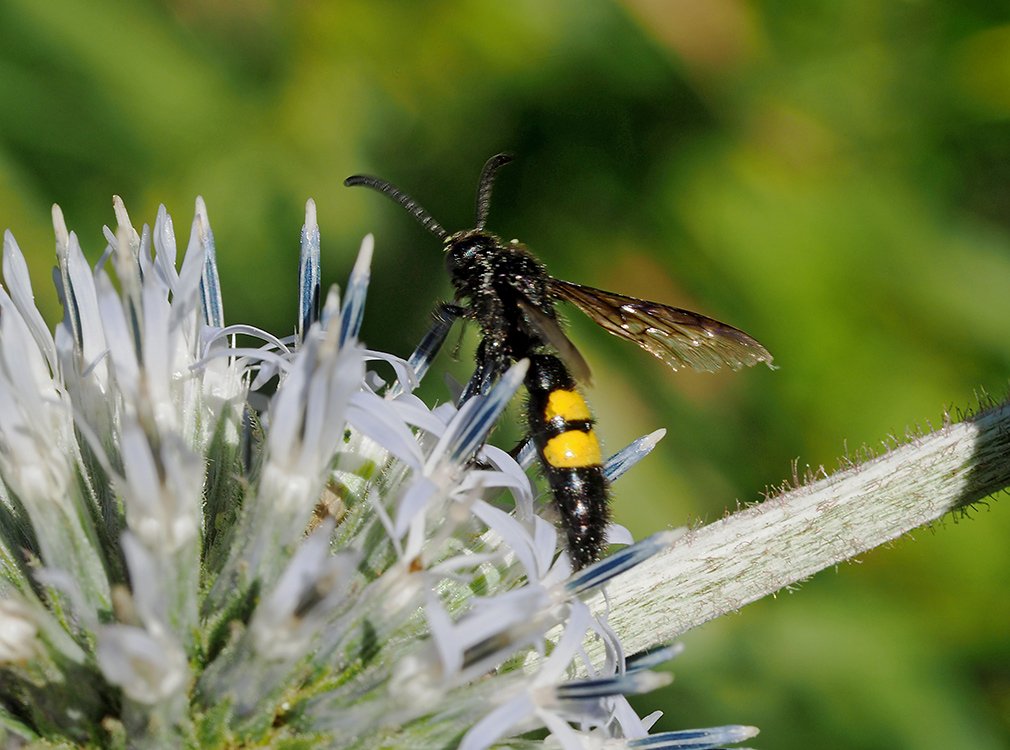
550	330
680	338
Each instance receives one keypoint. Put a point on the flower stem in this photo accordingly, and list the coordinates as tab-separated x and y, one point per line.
721	567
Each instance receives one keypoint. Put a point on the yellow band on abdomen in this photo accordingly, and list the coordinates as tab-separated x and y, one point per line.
573	450
569	405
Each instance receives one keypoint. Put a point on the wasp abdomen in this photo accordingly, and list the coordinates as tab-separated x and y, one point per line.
561	426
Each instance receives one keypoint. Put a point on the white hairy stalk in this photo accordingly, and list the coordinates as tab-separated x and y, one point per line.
718	568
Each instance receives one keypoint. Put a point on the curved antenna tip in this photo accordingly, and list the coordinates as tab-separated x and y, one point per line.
394	193
486	183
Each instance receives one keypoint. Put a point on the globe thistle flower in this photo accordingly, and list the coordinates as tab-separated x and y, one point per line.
212	536
192	558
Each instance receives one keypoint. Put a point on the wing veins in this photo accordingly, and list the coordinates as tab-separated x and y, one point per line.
679	338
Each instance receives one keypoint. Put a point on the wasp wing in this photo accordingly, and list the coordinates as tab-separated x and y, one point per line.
550	331
680	338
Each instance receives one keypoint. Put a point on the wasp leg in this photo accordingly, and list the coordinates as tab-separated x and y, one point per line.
494	355
492	362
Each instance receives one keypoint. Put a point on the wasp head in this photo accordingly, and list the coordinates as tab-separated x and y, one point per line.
468	257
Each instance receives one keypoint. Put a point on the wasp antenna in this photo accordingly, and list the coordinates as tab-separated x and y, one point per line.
487	175
414	208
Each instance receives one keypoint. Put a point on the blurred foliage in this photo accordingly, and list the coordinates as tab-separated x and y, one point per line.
832	177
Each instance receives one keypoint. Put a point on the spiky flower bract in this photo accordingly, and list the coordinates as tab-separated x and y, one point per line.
214	537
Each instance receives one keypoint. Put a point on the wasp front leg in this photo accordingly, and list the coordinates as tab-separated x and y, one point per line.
493	353
490	367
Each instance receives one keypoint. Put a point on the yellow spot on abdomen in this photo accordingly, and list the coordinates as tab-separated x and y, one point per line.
573	450
569	405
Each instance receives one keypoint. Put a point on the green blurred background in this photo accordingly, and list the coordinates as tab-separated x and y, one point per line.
831	177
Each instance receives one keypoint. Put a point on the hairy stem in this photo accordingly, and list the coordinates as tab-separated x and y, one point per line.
719	568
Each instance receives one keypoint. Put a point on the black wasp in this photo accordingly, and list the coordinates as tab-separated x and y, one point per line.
511	296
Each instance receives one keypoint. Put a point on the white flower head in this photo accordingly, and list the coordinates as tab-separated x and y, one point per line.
225	536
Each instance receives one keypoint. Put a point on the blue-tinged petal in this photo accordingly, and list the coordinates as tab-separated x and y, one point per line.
161	353
420	360
477	417
695	739
600	572
624	459
353	310
61	277
629	683
653	658
210	283
130	263
308	272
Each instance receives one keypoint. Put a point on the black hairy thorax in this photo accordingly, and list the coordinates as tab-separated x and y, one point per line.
500	285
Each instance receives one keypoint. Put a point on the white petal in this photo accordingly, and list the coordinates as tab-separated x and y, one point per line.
497	724
18	631
413	503
148	669
19	283
373	417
